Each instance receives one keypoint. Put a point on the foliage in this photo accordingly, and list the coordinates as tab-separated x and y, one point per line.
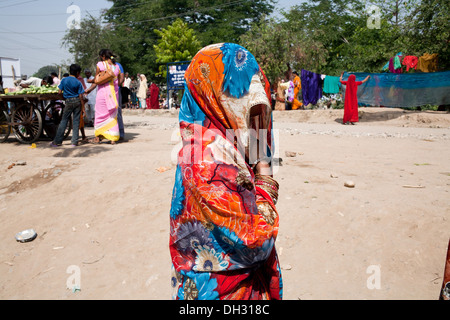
213	21
46	70
367	50
328	36
328	25
177	43
218	21
85	43
427	29
277	47
268	43
394	11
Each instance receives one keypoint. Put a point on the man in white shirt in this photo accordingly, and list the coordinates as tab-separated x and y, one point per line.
127	81
92	96
33	81
126	90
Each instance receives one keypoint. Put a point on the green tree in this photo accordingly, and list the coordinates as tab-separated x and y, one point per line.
328	24
177	43
275	45
368	50
394	11
225	21
85	43
133	22
268	43
427	30
45	71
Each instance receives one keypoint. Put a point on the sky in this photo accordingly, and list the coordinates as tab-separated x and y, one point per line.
31	30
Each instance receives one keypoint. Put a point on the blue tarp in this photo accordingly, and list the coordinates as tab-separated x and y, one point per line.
404	90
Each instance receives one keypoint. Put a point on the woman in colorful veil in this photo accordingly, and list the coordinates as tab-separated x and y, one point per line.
223	219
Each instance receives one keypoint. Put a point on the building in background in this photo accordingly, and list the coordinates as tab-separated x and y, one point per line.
10	71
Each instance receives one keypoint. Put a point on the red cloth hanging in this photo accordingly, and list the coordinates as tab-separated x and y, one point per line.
410	62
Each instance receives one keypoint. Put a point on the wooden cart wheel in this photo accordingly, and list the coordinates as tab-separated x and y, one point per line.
5	127
52	117
27	123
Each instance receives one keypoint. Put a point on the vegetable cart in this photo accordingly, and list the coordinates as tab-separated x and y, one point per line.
31	116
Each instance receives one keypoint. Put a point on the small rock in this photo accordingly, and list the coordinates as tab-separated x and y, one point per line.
290	153
286	267
349	184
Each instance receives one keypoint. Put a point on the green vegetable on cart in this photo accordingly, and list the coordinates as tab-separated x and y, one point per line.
34	90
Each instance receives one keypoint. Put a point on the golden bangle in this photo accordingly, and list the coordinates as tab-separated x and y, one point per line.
269	185
267	179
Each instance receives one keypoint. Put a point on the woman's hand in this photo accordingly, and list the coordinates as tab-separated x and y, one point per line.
263	168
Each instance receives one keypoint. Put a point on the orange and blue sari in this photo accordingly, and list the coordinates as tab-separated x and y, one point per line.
223	227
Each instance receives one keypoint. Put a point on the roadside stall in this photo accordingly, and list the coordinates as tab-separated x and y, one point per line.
31	114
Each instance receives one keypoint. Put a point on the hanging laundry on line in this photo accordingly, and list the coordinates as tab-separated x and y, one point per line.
331	84
404	90
311	87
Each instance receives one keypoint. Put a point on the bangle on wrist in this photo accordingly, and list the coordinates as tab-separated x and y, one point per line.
269	185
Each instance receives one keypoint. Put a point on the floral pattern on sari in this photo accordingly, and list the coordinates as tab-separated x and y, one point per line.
222	246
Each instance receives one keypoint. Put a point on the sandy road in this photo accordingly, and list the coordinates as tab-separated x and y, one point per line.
103	210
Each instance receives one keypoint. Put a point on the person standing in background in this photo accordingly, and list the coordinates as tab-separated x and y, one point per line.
127	80
106	105
154	96
83	112
90	104
126	91
55	79
351	98
138	79
133	90
134	85
119	113
296	104
142	91
72	91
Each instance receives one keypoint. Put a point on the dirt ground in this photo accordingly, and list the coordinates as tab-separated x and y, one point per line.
101	212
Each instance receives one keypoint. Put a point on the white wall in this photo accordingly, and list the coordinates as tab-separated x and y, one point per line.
7	72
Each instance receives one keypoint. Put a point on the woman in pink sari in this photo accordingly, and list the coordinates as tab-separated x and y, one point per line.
106	104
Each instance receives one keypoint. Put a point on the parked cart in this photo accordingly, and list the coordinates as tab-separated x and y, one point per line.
31	116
